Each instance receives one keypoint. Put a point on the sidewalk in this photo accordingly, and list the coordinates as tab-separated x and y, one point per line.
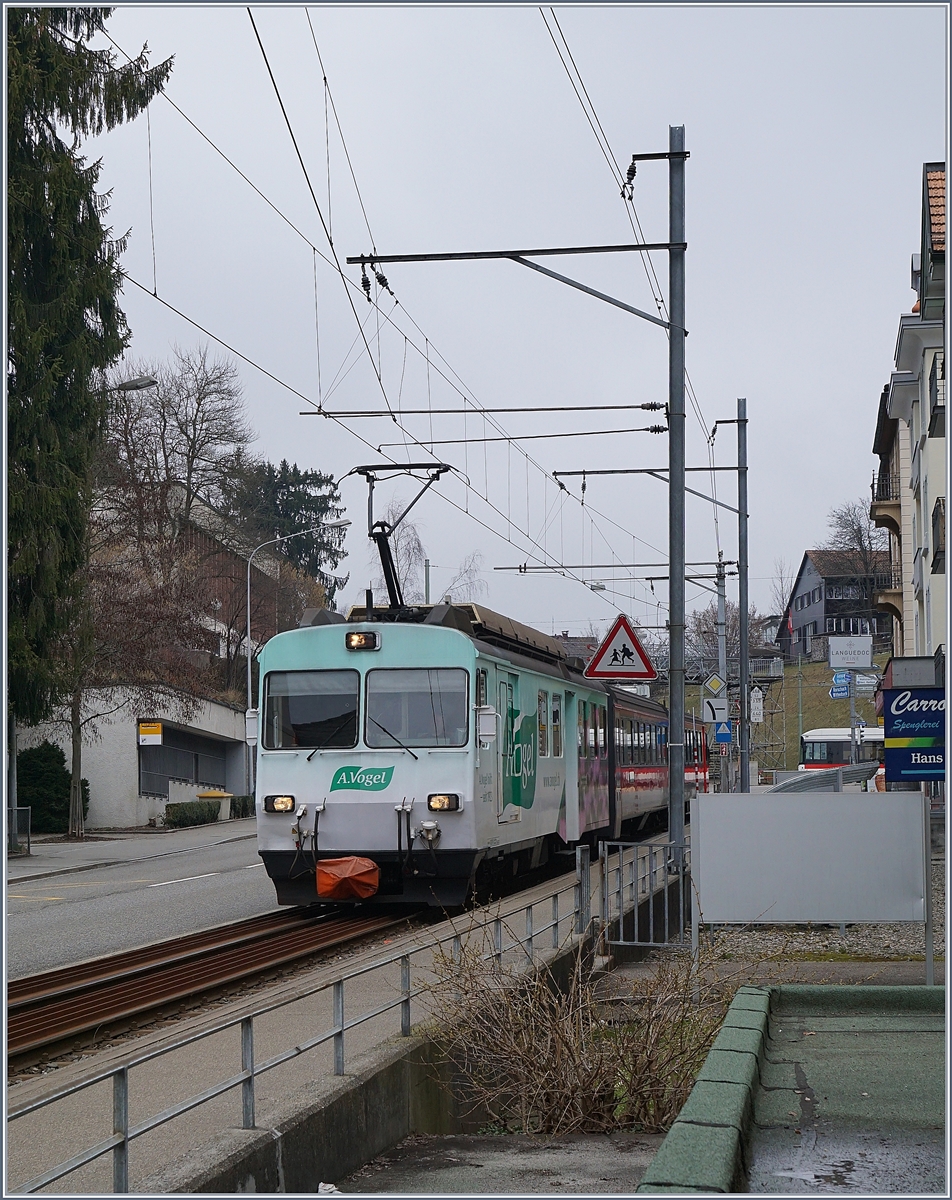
60	858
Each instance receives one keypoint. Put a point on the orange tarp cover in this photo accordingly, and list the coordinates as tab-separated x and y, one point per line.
348	878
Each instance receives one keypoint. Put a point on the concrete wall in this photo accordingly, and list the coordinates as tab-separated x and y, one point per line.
110	755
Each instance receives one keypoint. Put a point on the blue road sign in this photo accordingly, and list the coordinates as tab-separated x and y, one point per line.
722	731
840	693
841	677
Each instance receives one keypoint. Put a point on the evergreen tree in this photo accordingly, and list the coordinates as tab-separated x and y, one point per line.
65	324
271	502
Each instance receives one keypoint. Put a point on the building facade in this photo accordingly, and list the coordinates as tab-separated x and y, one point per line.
909	492
833	595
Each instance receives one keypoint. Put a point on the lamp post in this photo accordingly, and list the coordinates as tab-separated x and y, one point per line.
273	542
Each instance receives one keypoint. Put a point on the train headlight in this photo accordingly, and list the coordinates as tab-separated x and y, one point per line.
443	802
366	640
279	804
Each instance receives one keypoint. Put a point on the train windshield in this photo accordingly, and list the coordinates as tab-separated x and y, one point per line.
311	708
419	707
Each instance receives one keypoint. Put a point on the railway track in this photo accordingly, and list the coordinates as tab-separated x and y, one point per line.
56	1005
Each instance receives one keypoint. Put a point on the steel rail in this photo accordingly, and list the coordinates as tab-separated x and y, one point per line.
113	990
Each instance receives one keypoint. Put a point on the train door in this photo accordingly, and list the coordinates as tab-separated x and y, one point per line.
570	746
506	810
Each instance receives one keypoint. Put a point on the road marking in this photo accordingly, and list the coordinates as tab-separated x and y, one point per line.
188	879
16	896
251	866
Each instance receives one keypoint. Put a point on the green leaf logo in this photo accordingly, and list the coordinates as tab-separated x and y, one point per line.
361	779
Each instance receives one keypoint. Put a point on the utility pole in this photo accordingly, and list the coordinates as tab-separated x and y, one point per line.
722	655
426	581
852	685
742	582
12	814
799	704
676	484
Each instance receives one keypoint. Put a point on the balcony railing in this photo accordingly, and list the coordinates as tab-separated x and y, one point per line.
885	486
937	396
938	537
889	580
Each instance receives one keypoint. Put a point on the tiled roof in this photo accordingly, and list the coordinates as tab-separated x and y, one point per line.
837	564
935	182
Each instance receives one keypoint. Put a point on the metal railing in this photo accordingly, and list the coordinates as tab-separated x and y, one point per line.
646	897
827	779
885	486
124	1132
767	668
888	580
23	817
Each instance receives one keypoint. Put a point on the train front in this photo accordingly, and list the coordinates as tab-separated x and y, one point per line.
366	764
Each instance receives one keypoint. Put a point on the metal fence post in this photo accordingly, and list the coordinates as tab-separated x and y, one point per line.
339	1023
583	889
120	1125
497	941
555	921
405	988
248	1064
529	933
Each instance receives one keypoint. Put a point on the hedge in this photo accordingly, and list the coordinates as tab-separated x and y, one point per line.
43	786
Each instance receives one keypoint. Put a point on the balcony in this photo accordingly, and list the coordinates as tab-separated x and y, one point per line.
938	537
937	397
885	511
887	592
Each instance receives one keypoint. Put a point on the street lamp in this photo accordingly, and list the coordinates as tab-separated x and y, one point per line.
135	385
273	542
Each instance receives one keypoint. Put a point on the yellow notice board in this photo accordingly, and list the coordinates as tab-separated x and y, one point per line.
150	733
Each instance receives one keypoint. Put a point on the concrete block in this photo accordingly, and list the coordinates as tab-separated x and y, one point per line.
746	1041
729	1066
718	1104
700	1157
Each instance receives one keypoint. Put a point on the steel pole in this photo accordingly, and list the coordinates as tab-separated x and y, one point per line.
12	814
723	767
676	484
743	604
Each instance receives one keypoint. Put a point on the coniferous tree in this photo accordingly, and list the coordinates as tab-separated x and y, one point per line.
65	323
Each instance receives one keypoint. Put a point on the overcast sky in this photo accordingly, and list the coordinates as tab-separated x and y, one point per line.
807	129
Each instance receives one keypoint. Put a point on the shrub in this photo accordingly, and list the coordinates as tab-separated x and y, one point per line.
241	806
43	786
191	812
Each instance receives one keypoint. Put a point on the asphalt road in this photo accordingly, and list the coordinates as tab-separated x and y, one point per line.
71	917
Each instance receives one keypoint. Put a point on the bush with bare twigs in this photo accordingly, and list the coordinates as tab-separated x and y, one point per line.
537	1058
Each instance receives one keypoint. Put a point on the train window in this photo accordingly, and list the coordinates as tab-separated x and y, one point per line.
417	707
482	689
582	729
310	708
543	724
556	725
602	732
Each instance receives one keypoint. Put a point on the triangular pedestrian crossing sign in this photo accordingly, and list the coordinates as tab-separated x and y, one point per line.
620	656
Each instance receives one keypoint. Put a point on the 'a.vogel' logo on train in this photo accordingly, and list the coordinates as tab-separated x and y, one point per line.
361	779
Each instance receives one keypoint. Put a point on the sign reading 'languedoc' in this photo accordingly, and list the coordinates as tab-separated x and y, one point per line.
361	779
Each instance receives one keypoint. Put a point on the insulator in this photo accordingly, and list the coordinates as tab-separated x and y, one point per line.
381	279
652	406
365	282
657	429
632	171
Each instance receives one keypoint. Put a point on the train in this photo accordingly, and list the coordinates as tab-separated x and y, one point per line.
405	755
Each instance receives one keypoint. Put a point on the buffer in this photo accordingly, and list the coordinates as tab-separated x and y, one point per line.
620	656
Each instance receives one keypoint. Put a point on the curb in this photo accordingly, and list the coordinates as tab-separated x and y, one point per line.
706	1148
120	862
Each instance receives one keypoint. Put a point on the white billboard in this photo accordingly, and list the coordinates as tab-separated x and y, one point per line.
826	857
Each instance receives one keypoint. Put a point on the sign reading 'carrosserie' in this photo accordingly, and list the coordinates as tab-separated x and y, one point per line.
361	779
914	729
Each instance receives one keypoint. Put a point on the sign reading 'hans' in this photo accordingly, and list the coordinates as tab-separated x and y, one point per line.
914	734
